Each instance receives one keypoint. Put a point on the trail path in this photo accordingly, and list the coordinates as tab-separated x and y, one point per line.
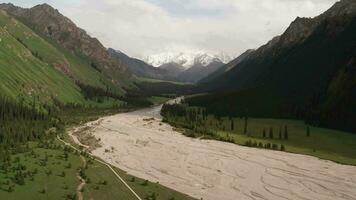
214	170
102	162
82	182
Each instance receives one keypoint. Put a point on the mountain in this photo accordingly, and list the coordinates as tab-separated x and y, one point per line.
139	67
27	73
188	66
199	71
309	72
46	58
227	67
49	23
185	59
173	69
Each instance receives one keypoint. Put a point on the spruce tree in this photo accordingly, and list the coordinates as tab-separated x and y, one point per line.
271	133
282	148
245	127
232	124
264	133
286	133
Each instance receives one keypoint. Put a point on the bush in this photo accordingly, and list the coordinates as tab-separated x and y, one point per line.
282	148
268	145
132	179
260	145
274	146
145	183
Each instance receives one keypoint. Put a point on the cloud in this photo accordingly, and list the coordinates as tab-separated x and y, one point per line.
144	27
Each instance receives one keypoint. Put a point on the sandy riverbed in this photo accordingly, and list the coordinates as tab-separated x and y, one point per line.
215	170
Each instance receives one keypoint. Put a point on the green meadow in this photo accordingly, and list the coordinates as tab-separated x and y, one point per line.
295	136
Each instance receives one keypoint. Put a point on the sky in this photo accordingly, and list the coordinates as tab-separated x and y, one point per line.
141	28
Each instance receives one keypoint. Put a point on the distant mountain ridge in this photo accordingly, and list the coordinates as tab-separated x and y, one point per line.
227	66
187	66
186	59
139	67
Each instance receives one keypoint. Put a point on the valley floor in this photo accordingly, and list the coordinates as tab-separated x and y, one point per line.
139	143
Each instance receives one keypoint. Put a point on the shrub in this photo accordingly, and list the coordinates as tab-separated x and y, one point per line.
132	179
282	148
260	145
274	146
145	183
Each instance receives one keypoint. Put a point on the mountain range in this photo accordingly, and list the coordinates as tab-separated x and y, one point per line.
190	66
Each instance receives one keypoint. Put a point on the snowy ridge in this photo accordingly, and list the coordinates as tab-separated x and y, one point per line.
186	59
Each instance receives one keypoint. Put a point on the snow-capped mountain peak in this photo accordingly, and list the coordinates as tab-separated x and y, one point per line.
186	59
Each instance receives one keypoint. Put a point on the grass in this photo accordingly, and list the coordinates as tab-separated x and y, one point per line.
77	116
334	145
34	66
158	100
150	80
25	75
43	185
101	182
112	189
22	75
147	190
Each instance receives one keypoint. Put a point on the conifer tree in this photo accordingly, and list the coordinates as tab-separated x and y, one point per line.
245	127
232	124
271	133
264	133
286	133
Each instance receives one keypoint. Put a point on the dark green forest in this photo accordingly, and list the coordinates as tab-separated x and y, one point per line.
20	123
313	80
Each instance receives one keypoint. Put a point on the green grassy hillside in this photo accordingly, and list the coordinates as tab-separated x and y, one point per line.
23	75
78	69
60	31
33	67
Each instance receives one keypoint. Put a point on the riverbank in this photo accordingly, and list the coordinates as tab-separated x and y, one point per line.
141	144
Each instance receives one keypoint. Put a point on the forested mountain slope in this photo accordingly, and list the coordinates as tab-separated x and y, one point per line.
309	72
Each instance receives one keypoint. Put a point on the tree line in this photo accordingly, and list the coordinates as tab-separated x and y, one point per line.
21	123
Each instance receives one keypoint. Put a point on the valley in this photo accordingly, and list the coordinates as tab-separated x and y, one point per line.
141	144
147	103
